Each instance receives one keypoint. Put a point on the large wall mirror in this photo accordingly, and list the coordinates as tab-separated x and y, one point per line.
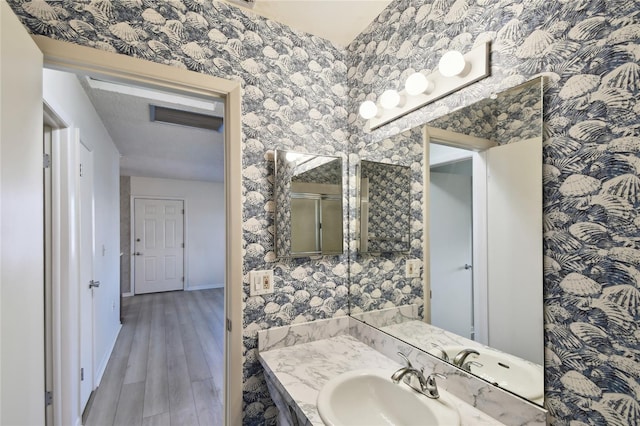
308	204
483	245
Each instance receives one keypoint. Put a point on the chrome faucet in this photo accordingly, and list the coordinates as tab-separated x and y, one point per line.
426	385
461	357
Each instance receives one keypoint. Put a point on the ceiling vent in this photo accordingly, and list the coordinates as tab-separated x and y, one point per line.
185	118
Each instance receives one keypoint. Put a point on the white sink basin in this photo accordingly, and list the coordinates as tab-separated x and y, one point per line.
370	398
507	371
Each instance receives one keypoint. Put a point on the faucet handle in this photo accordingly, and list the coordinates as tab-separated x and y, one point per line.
406	360
433	376
431	387
443	353
467	365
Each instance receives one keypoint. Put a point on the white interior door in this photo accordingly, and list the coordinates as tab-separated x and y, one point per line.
158	247
450	210
87	236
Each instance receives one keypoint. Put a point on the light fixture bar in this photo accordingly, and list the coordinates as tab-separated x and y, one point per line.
477	60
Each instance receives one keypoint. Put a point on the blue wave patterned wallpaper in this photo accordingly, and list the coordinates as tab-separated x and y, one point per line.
301	93
294	96
510	116
588	49
389	210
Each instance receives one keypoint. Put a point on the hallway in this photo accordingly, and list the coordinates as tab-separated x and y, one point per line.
168	363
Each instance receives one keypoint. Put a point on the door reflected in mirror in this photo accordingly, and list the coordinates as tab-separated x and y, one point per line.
308	205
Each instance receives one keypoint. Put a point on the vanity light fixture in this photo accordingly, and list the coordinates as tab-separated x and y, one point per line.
390	99
417	84
293	156
452	64
368	110
454	72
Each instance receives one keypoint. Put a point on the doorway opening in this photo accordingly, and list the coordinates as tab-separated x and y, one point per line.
451	239
105	66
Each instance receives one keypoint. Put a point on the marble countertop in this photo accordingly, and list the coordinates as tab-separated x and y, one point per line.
300	371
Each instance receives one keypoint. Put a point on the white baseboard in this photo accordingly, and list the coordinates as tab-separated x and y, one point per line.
105	360
205	287
127	294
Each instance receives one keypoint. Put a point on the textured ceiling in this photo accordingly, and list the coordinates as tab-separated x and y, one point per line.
159	150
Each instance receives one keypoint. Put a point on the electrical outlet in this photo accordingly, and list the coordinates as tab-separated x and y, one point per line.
260	282
412	268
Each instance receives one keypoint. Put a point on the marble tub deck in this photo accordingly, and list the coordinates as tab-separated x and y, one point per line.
300	371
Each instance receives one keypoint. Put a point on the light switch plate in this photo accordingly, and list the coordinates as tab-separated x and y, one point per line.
412	268
260	282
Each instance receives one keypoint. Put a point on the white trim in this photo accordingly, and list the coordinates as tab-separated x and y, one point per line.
129	294
204	287
185	256
132	280
480	253
103	364
458	140
426	243
65	279
76	58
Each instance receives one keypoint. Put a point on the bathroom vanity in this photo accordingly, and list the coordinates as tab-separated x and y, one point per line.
299	360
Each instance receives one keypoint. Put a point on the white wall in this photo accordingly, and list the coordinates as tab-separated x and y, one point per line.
63	93
515	246
205	225
21	226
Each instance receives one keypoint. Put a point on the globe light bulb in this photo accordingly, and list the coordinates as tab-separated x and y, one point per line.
368	110
417	83
389	99
452	64
292	156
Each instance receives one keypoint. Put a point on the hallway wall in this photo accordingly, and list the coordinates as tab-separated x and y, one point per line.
64	94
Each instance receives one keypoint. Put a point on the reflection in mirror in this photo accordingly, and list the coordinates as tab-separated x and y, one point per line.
384	201
483	233
308	210
377	281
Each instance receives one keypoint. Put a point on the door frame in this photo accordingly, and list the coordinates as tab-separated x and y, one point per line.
90	374
477	149
185	257
74	58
